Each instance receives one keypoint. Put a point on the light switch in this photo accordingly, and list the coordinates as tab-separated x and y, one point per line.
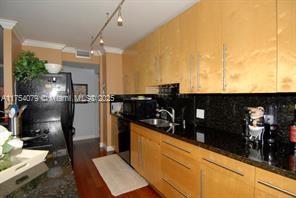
200	113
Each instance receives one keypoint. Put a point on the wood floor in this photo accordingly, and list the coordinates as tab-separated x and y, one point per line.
89	182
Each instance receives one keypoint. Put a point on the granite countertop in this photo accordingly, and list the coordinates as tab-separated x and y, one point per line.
276	158
52	178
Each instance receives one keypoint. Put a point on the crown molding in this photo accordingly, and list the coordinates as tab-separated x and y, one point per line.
43	44
18	33
69	50
113	50
7	24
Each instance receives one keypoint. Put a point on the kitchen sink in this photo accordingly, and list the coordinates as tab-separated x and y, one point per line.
158	122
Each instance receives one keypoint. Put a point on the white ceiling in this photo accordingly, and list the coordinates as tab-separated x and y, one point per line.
73	22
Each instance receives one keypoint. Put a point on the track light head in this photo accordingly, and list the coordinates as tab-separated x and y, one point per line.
119	19
101	41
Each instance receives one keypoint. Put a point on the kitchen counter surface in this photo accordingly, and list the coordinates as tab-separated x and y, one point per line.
52	178
276	158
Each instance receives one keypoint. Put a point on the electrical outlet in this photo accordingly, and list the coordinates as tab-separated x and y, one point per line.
200	113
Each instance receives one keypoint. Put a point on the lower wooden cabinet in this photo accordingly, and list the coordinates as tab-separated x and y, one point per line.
222	176
114	133
179	169
270	185
145	154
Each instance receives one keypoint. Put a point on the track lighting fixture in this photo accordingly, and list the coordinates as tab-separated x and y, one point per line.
119	19
109	18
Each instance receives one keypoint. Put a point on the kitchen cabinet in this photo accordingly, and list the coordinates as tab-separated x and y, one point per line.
286	81
249	46
221	176
179	168
151	60
128	71
273	186
209	47
145	153
187	52
114	133
170	52
136	150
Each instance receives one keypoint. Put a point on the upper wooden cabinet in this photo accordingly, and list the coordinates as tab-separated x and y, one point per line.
216	46
286	81
187	52
170	52
209	47
151	59
249	46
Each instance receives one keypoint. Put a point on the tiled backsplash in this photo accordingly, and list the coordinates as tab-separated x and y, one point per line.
226	111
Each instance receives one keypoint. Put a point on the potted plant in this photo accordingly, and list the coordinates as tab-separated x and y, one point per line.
28	67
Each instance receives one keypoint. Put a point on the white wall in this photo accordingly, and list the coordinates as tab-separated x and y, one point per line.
86	114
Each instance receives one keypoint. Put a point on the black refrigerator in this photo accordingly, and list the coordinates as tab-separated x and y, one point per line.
50	111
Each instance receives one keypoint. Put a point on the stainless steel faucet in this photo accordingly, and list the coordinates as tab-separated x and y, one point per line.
171	114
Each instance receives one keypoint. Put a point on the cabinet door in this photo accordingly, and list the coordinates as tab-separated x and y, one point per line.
224	177
209	47
136	151
187	50
219	182
128	76
114	133
151	159
270	185
169	52
249	40
151	59
286	81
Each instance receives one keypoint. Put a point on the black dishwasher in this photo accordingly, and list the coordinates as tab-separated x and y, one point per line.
124	139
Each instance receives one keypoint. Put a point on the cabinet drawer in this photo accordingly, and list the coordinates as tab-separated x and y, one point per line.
184	153
272	185
152	135
241	171
170	190
183	177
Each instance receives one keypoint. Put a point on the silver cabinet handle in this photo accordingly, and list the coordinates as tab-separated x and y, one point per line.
176	188
276	188
158	70
223	166
177	161
198	71
139	151
190	72
201	183
170	144
224	65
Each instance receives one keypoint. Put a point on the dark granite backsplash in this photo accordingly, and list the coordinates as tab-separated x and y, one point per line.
226	111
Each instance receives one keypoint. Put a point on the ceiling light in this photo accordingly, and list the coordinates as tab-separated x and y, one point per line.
101	41
92	51
119	19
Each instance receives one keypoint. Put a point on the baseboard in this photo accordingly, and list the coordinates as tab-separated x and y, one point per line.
110	148
106	148
84	137
102	145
